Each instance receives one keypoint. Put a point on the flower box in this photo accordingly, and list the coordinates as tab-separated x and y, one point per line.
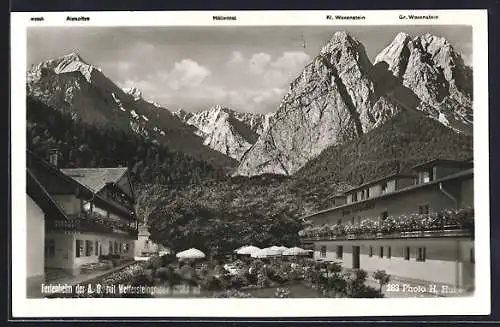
351	236
412	234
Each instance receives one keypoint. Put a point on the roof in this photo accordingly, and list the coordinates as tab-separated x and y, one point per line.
461	174
95	178
396	175
445	162
42	198
79	188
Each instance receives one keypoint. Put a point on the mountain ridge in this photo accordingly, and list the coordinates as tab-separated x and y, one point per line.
69	84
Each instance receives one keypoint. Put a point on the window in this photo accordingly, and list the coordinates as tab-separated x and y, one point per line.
381	252
352	220
384	215
359	219
89	248
370	251
322	252
125	247
110	249
116	248
472	257
407	253
339	222
355	197
367	193
362	194
383	187
421	254
340	251
79	248
96	248
423	209
428	176
50	248
389	254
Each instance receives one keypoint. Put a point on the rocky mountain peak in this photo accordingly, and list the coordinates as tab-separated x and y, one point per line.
133	91
430	67
333	100
68	63
74	56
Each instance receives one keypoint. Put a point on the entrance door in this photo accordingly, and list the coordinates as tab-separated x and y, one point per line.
355	257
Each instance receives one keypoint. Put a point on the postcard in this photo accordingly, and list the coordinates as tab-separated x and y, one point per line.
250	164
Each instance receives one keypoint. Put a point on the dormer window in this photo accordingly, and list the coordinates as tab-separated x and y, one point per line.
428	176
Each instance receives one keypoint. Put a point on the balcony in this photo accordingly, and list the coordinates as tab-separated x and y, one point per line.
92	223
448	223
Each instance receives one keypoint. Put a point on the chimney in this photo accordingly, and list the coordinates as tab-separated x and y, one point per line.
54	157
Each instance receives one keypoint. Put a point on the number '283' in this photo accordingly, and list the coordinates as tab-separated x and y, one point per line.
392	287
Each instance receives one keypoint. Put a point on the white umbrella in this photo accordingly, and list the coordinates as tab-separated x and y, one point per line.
266	252
295	251
190	254
279	248
247	249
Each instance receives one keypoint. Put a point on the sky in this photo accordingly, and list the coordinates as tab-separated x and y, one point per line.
247	68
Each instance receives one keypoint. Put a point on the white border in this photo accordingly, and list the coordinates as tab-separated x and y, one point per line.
479	304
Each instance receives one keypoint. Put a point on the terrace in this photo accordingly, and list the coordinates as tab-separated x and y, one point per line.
446	223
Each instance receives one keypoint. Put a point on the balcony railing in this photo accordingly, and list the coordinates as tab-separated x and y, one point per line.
447	223
92	222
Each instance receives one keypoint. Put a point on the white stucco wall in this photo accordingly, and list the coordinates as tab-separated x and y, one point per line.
447	261
143	244
35	234
65	249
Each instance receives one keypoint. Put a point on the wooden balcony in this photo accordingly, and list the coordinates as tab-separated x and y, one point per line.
93	223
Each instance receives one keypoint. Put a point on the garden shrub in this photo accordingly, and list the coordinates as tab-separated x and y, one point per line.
382	277
212	284
238	281
162	273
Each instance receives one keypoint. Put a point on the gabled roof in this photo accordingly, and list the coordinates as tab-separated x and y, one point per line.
459	175
383	179
72	185
469	163
95	178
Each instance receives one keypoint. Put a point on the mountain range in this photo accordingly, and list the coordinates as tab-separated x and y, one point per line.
225	130
339	97
69	84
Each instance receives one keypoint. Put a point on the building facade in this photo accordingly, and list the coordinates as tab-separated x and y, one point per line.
415	227
144	246
77	216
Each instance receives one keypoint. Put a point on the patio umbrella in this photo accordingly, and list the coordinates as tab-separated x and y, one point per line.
279	248
266	252
295	251
190	254
247	249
